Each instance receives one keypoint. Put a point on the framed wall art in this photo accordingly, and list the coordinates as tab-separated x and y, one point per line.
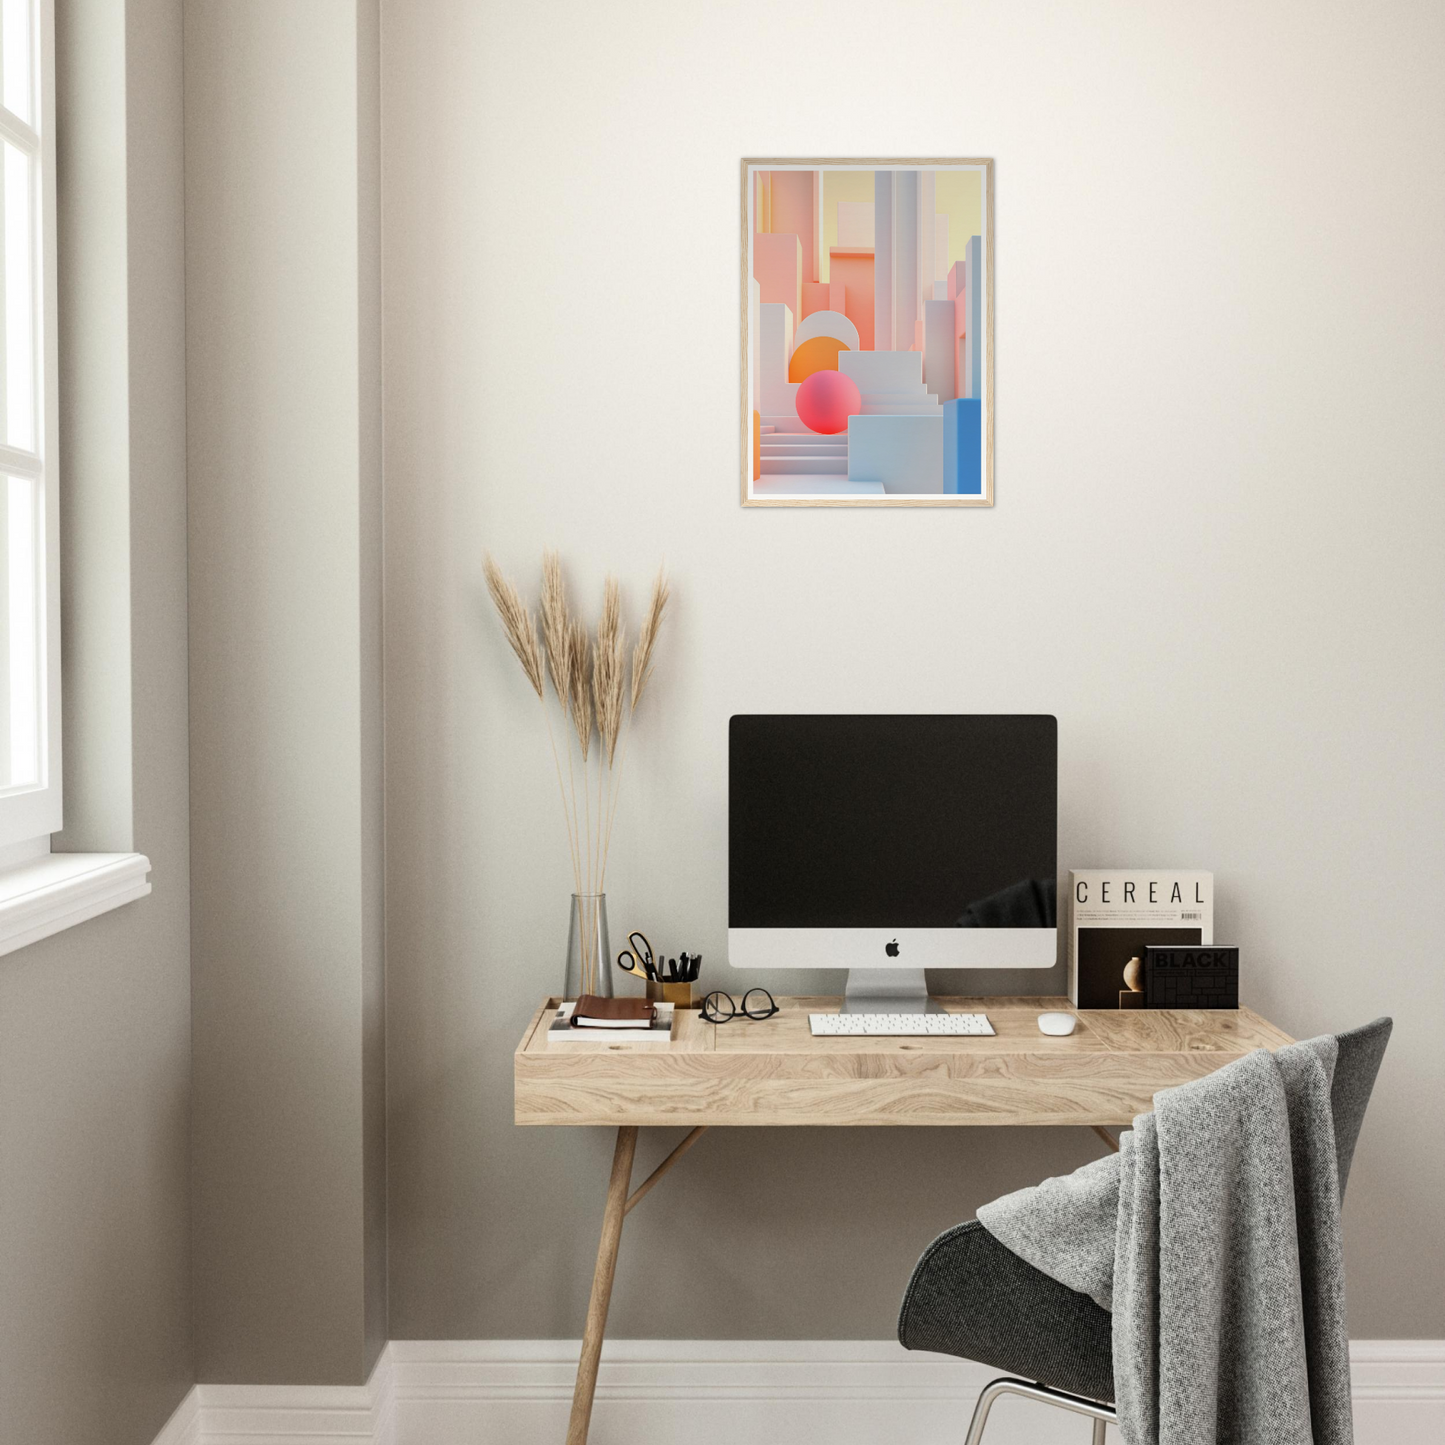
867	321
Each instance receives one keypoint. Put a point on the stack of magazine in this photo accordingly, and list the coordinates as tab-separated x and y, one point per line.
659	1031
1116	913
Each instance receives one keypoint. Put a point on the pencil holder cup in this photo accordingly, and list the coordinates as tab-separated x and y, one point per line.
679	994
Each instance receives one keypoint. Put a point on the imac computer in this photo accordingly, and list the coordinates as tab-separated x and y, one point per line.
890	844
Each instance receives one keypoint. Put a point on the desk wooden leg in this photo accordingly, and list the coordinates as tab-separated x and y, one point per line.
640	1193
612	1217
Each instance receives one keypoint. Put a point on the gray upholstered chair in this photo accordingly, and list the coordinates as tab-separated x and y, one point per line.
972	1297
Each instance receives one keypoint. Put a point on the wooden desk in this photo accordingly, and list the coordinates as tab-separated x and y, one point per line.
773	1072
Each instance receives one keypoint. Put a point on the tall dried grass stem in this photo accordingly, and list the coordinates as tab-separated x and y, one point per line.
590	681
579	688
647	636
562	791
556	631
609	670
517	622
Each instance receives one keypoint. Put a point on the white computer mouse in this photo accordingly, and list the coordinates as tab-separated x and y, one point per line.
1057	1023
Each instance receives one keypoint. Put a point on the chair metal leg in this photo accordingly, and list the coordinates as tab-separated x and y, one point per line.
1099	1413
980	1411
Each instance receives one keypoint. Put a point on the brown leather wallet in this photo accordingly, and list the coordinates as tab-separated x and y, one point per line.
616	1011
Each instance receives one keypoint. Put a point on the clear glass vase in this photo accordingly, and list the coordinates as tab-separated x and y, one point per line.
589	953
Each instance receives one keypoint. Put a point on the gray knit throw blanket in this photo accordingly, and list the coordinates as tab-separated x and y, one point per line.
1214	1237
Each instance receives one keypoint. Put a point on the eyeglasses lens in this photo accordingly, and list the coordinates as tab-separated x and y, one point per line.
718	1008
758	1004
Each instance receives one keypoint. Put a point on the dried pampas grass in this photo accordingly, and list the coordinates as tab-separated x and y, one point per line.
516	622
589	681
608	669
556	636
579	686
647	636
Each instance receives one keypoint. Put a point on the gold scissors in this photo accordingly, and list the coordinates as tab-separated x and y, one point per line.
637	958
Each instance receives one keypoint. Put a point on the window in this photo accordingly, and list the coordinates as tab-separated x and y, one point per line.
41	892
30	796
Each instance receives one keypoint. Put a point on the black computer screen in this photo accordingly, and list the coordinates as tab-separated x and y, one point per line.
934	821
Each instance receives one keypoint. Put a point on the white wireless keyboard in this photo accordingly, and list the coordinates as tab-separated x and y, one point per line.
899	1025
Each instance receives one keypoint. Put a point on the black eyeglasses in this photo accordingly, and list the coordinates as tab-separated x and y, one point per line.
719	1008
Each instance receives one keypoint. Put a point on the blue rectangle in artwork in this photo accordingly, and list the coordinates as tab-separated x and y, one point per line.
963	447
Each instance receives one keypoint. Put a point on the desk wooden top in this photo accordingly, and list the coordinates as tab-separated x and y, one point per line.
774	1072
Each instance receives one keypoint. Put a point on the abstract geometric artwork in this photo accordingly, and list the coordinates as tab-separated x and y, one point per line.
867	313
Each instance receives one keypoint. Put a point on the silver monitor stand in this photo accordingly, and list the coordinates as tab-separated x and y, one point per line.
887	991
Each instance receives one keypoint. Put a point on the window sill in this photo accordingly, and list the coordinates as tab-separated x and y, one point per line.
60	890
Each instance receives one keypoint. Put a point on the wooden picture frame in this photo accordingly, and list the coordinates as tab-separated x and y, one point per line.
892	458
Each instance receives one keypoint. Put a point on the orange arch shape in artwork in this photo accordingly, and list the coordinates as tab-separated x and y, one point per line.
818	353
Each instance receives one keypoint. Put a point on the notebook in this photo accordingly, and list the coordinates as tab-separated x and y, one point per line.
593	1012
561	1032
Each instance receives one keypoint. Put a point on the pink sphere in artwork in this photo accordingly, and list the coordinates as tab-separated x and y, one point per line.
826	400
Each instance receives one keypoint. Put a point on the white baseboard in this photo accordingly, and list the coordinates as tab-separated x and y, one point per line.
184	1427
714	1392
288	1414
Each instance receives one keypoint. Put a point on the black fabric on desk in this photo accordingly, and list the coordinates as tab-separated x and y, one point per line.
971	1296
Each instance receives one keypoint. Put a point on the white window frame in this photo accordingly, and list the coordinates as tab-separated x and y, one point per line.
42	892
29	815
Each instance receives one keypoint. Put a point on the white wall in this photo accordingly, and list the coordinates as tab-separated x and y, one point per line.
1215	556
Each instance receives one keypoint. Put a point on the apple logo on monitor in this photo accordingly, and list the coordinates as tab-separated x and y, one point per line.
891	949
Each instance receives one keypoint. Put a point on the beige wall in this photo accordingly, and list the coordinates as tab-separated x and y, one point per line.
282	321
1215	556
95	1344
